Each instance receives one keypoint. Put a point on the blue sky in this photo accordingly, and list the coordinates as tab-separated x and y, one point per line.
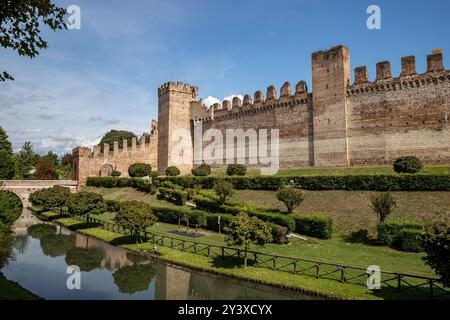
105	76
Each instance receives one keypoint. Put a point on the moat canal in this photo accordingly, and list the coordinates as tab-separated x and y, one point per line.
41	254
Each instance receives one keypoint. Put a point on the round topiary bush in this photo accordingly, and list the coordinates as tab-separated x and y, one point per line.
408	164
236	170
172	171
115	173
202	171
139	170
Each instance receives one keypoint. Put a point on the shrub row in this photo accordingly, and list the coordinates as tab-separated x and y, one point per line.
389	232
115	182
314	226
177	197
350	183
265	214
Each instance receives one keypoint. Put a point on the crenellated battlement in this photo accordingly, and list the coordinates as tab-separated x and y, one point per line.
178	87
138	147
408	78
259	102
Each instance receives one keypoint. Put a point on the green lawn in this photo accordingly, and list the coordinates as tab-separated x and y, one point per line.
351	210
340	171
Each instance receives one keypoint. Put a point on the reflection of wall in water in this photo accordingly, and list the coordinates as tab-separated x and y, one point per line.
115	258
172	283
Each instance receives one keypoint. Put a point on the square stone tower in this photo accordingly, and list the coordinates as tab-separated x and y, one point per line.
174	100
331	75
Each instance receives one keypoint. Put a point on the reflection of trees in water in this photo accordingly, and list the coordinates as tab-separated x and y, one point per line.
38	231
87	259
21	243
55	245
135	278
6	243
136	258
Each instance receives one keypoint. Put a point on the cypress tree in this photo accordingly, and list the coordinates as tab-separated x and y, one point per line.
5	144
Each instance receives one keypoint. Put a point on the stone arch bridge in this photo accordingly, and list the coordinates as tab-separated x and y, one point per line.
23	188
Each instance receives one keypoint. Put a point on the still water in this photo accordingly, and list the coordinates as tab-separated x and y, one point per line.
42	253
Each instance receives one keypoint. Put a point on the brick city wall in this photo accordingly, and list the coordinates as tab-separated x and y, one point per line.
340	123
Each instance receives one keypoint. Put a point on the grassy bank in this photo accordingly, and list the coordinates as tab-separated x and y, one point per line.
10	290
341	171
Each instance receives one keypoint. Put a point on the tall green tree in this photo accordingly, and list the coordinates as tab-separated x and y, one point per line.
20	26
26	160
45	169
67	159
54	157
245	231
116	135
7	165
5	144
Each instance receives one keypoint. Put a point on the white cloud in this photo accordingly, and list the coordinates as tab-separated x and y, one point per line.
209	101
230	98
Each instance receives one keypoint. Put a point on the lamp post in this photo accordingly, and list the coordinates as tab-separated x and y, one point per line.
218	221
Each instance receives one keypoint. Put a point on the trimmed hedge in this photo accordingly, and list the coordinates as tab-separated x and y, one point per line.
265	214
350	183
114	182
410	240
389	232
177	197
236	170
314	226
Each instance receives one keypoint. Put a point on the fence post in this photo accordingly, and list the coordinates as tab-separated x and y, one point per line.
256	259
431	289
208	250
223	252
295	266
342	274
274	262
317	271
399	283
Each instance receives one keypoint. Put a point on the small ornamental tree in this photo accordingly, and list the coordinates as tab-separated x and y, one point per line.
135	216
139	170
236	170
408	164
172	171
45	169
291	197
436	243
243	231
83	203
224	190
382	204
